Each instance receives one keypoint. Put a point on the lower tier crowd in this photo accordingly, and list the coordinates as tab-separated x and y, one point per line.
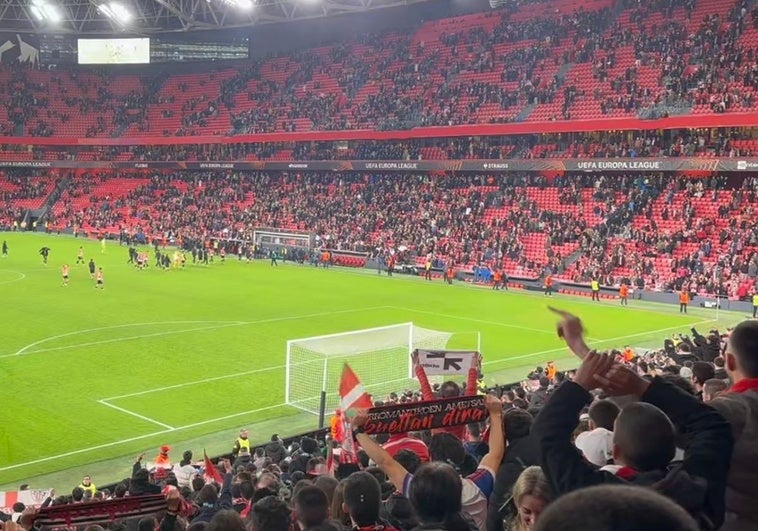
632	439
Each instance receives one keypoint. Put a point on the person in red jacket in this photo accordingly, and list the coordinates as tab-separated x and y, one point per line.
448	389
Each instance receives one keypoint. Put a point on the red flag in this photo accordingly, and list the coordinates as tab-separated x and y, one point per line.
211	472
351	391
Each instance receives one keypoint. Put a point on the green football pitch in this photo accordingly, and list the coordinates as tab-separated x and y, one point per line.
90	378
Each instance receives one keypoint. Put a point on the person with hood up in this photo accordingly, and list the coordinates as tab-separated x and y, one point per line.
275	450
162	460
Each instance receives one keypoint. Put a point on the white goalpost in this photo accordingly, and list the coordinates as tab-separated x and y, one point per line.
381	357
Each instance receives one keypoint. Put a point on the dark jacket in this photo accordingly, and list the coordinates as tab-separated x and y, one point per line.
300	462
697	484
520	454
539	397
242	460
464	523
140	481
276	452
206	512
741	410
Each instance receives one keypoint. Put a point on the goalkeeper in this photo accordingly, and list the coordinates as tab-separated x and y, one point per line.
448	389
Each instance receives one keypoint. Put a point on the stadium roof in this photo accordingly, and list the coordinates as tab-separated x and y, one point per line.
91	17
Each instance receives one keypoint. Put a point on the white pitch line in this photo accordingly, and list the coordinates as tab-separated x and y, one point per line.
620	338
227	417
128	338
233	323
132	413
110	327
639	305
180	428
20	278
482	321
83	450
132	439
196	382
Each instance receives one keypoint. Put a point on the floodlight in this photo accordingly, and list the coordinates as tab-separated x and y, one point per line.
244	5
117	12
44	11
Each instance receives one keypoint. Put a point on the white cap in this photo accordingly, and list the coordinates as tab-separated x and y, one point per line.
596	445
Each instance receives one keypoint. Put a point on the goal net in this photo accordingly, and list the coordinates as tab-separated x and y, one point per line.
381	357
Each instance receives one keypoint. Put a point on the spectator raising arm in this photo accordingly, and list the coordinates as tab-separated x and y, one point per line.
644	436
493	458
394	470
570	329
397	474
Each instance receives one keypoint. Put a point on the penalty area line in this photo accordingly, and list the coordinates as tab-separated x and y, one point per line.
134	414
111	327
196	424
195	382
136	438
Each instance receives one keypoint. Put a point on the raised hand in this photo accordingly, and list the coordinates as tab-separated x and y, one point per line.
621	381
594	366
571	330
359	418
493	405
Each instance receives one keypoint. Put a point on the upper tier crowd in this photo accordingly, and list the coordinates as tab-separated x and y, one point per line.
515	63
658	439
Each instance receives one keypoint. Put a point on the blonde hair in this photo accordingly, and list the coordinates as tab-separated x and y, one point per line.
531	482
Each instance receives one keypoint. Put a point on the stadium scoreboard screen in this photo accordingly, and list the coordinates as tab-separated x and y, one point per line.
113	51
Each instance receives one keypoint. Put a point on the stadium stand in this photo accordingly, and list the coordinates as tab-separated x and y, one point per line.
649	232
601	60
532	64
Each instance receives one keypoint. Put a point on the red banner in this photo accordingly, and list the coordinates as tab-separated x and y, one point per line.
418	416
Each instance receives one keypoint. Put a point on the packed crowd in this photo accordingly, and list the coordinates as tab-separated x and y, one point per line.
648	231
686	234
43	103
417	214
490	68
19	191
632	439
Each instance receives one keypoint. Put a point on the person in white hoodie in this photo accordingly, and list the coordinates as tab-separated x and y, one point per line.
597	444
185	471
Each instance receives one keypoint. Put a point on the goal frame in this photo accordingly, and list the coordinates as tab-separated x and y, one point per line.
413	334
325	362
